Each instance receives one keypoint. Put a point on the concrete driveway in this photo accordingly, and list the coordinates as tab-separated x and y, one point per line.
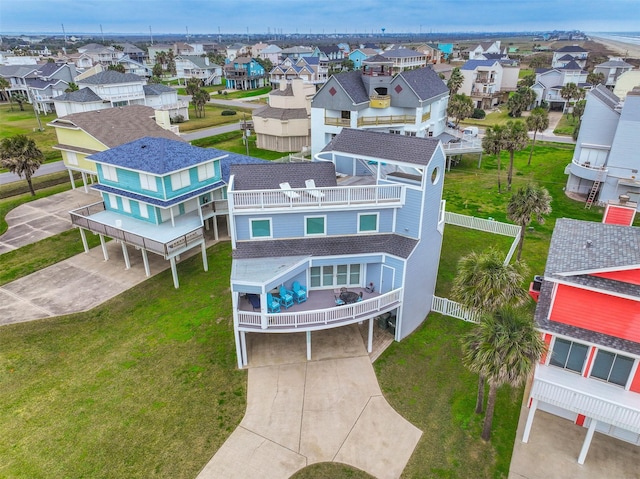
302	412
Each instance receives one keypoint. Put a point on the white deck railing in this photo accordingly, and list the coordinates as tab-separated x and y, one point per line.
490	226
590	405
387	195
455	310
319	317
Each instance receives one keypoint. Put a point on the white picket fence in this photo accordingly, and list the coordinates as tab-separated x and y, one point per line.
455	310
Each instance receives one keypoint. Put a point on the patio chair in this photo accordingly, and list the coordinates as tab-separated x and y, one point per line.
339	302
273	305
359	297
254	299
311	189
286	297
286	190
299	293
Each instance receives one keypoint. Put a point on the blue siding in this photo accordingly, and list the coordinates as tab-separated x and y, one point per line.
373	275
398	265
408	217
359	259
194	183
299	274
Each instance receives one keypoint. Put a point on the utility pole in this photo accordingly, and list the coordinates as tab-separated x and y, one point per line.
151	34
64	34
245	132
35	108
101	33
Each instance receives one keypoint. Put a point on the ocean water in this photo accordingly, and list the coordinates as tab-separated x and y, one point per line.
632	38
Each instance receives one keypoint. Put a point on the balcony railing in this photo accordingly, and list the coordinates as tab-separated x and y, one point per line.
586	170
386	120
362	195
380	101
81	217
588	397
334	121
214	207
320	317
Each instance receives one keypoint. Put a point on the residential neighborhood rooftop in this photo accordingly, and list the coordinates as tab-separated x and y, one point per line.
270	175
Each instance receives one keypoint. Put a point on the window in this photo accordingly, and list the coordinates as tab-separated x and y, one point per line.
568	355
109	173
345	115
148	182
331	276
144	210
205	171
314	225
368	222
72	158
395	132
612	367
126	205
261	228
113	202
410	133
180	180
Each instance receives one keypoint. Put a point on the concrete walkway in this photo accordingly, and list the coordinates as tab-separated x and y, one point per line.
39	219
302	412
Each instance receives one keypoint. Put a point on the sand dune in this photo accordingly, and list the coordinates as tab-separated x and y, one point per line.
625	50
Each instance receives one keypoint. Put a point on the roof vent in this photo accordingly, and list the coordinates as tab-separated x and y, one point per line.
588	244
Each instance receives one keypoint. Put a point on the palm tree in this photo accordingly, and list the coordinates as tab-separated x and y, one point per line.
485	283
528	202
20	99
71	87
455	81
569	91
538	121
20	155
515	139
4	86
493	143
460	107
504	348
199	100
595	78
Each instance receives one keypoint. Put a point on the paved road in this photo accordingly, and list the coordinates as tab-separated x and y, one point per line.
43	170
218	130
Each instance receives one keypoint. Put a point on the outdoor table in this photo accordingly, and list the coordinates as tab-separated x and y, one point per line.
349	296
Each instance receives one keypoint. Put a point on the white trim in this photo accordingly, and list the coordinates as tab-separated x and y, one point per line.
324	225
144	210
109	172
126	204
148	182
113	201
595	290
251	220
206	171
377	215
612	269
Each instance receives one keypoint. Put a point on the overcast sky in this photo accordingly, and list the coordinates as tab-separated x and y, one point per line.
316	16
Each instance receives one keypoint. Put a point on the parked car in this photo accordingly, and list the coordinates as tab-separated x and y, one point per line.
470	131
451	124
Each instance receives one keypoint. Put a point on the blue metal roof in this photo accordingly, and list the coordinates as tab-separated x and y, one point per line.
158	156
156	201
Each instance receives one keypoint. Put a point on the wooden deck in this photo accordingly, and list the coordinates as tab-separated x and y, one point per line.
316	299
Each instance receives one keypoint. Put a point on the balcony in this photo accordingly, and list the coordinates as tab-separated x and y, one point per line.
335	121
213	208
164	239
360	195
386	120
587	171
380	101
311	315
589	397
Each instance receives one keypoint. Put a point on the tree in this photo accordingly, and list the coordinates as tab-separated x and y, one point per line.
540	60
455	81
484	284
266	64
515	139
528	202
157	70
528	80
569	91
504	348
154	80
347	64
4	86
537	121
520	101
578	109
119	67
493	143
21	156
20	99
460	107
71	87
595	78
171	62
193	85
199	100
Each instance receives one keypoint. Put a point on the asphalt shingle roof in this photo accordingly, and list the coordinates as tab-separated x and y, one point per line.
473	64
402	53
352	84
111	77
158	156
156	201
156	89
425	82
83	95
385	146
572	65
269	176
115	126
393	244
281	113
572	48
615	64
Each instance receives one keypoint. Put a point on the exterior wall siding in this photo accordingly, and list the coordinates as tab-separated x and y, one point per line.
408	217
599	312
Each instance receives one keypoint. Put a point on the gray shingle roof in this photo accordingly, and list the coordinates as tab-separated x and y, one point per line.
572	65
425	82
269	176
7	71
615	64
572	48
402	53
352	84
385	146
83	95
110	77
377	59
605	95
473	64
156	89
158	156
115	126
281	113
393	244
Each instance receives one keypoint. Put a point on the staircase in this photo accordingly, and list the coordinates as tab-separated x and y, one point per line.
595	188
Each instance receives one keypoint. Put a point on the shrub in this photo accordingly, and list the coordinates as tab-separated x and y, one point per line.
228	112
177	119
478	114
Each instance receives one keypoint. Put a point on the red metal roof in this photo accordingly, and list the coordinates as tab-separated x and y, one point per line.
619	215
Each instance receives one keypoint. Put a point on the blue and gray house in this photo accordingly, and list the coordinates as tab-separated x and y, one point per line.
353	236
159	196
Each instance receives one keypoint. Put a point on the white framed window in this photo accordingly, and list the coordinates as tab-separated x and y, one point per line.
612	368
335	275
113	201
109	173
368	222
180	180
72	158
205	171
126	205
260	228
315	225
144	210
148	182
569	355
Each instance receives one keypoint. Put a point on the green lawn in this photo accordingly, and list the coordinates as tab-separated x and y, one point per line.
565	126
213	117
492	118
232	142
